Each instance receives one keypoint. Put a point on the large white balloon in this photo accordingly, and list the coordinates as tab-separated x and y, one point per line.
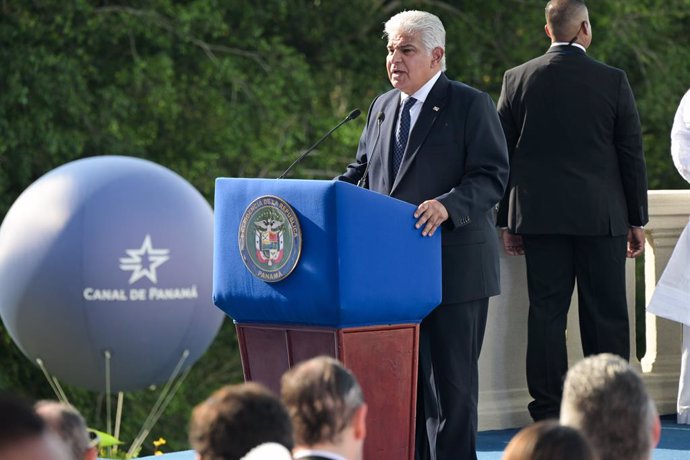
109	254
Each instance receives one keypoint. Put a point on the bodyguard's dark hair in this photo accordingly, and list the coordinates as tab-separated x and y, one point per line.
563	16
237	418
322	397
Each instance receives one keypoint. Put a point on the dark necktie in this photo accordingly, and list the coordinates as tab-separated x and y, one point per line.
402	134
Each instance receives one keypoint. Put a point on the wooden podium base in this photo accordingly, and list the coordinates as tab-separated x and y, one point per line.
384	359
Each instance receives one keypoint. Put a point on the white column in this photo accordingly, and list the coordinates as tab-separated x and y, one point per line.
503	395
668	215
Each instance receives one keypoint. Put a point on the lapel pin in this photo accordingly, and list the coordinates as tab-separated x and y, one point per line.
435	109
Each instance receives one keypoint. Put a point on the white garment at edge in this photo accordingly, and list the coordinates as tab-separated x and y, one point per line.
671	298
268	451
680	138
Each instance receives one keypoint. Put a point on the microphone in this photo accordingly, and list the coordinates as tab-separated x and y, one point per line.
379	119
351	116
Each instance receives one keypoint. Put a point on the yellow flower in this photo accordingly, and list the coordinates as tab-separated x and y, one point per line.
159	442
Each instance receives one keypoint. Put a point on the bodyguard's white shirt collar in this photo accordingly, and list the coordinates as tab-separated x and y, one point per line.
566	44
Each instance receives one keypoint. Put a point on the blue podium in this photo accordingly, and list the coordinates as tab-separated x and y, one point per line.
307	268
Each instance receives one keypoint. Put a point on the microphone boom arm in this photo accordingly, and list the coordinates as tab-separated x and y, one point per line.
351	116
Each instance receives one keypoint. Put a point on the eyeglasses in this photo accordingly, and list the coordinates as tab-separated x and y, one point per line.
94	440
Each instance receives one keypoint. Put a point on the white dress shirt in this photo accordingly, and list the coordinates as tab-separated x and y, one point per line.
317	453
421	96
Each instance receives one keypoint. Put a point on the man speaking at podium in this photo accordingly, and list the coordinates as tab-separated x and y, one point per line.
438	144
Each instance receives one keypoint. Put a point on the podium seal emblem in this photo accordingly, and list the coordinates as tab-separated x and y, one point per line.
270	238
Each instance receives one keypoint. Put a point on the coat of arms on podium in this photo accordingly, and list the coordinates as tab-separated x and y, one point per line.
270	238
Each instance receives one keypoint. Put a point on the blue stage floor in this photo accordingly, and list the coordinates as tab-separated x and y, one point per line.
674	444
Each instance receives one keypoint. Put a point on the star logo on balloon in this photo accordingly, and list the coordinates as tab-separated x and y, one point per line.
143	262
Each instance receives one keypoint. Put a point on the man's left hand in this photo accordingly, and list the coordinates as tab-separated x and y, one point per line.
430	215
635	242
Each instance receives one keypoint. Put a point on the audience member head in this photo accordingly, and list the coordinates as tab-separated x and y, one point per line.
66	421
24	435
327	407
547	440
237	418
568	21
605	398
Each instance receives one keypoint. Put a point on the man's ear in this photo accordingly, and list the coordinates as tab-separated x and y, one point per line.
587	29
656	431
437	54
548	31
359	422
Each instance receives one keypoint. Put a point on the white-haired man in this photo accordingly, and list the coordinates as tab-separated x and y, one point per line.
438	144
606	399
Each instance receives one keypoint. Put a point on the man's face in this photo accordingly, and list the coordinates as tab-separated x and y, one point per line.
408	64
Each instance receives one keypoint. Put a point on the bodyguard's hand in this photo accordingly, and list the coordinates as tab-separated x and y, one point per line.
635	242
430	215
512	244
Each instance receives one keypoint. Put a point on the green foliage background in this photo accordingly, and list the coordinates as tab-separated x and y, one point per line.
238	88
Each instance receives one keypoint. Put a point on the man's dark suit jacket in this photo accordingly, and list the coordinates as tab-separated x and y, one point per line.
456	154
577	166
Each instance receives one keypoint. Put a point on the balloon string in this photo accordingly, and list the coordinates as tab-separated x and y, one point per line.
118	416
106	356
159	406
162	408
39	362
59	387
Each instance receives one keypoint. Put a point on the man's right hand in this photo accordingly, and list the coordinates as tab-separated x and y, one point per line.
512	244
635	242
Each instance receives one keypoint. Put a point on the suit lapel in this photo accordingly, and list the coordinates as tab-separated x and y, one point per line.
433	106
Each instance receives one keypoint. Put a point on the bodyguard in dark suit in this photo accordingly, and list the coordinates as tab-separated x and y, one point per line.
577	192
453	165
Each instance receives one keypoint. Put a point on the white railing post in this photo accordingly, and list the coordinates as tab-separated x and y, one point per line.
668	215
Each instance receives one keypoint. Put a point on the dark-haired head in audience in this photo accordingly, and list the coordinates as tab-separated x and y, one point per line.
327	408
24	435
237	418
548	440
66	421
605	398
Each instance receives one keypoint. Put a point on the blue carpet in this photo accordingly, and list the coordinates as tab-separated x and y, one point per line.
674	444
